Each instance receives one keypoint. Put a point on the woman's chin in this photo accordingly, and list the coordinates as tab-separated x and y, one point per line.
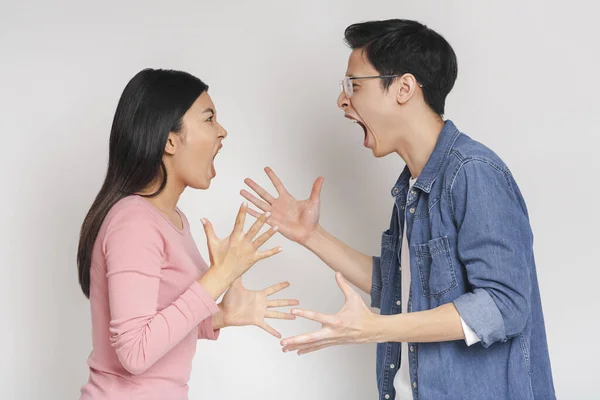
201	184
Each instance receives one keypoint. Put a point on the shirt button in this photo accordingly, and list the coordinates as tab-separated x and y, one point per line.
413	192
387	396
412	210
398	303
392	366
402	207
415	385
412	349
395	191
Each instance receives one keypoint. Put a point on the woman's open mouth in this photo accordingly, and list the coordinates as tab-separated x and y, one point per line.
212	165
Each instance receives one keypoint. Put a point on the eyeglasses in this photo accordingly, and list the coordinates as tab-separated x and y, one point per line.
348	89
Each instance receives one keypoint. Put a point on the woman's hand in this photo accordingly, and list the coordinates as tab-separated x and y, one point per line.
243	307
231	257
297	219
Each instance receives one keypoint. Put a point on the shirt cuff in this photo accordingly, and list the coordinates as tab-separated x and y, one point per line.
206	330
200	295
470	336
481	314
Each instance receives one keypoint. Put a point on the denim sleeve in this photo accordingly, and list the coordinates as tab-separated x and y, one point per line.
495	246
377	283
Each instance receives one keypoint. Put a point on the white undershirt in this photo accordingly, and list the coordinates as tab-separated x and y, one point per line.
402	383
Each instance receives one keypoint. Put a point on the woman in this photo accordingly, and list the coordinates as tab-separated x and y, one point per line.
151	293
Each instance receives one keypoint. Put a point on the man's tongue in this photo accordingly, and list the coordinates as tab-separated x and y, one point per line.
366	140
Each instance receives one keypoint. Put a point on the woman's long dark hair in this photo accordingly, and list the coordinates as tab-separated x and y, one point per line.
152	105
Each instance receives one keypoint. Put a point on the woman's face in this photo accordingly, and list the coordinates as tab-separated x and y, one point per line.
191	152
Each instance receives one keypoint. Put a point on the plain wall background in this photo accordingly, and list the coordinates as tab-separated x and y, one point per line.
528	87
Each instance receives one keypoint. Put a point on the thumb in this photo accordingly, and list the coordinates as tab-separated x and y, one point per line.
211	237
315	195
344	285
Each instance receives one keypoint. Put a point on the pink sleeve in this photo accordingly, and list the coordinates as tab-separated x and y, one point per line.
141	334
206	330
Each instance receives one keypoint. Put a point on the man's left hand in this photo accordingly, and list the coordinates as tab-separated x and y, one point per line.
354	323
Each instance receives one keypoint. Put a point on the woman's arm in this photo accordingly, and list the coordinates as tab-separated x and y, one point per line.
140	334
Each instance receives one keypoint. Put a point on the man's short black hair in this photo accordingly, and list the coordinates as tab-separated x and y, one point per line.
400	46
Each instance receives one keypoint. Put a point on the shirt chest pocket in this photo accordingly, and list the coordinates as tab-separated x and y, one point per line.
436	271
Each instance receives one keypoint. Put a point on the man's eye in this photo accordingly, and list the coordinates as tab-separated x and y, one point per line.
210	119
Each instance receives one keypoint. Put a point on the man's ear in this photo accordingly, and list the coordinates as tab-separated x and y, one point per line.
405	87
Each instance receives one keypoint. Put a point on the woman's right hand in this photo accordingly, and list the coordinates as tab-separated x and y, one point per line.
232	256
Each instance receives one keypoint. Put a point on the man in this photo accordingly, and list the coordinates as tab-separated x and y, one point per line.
461	315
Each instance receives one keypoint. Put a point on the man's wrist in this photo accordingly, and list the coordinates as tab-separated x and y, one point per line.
314	238
388	328
375	329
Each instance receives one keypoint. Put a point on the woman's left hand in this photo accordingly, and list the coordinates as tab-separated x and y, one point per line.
243	307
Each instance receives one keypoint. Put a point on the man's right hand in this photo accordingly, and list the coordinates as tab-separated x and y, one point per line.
297	220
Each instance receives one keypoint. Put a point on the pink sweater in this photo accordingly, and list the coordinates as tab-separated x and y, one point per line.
147	306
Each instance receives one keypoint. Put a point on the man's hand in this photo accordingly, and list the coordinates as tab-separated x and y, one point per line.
297	219
354	323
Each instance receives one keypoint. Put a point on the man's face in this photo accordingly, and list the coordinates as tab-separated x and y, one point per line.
370	106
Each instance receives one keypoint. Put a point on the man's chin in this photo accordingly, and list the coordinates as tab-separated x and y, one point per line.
379	153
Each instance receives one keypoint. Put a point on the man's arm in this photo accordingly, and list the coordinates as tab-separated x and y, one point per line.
298	220
441	324
357	267
494	243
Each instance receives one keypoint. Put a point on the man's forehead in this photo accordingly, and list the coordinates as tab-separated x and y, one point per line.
358	65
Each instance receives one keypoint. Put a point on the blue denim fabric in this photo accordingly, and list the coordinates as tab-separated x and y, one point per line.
471	244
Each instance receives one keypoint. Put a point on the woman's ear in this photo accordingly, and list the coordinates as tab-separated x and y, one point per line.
172	143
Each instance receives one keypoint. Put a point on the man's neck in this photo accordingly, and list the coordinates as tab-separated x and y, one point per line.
420	138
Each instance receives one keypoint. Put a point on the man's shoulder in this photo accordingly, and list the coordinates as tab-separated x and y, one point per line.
466	149
469	151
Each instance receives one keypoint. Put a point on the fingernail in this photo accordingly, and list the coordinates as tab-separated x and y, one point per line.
245	204
268	214
294	312
280	249
275	229
203	221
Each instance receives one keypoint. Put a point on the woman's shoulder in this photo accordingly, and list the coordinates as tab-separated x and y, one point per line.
132	209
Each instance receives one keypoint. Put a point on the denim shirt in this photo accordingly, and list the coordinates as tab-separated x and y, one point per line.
470	243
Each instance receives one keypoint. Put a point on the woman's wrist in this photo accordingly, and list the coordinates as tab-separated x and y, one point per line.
218	320
216	281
